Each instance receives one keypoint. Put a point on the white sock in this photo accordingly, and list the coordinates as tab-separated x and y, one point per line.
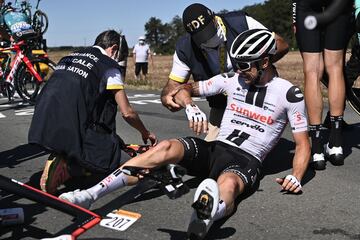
115	180
220	213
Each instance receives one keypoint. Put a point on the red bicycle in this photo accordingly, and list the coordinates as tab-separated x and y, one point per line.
25	72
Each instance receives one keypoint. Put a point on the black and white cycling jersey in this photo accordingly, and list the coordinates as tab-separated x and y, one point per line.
256	116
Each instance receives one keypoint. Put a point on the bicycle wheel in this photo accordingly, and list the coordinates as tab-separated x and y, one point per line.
40	22
26	84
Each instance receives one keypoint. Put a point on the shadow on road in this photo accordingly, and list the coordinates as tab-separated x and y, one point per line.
219	233
19	154
15	105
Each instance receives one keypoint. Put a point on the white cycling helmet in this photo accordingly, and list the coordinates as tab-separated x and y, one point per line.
252	45
142	38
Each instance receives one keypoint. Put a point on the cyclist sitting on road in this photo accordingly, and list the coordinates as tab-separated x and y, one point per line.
75	114
203	52
259	105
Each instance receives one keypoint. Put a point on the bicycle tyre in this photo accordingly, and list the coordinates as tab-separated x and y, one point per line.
26	84
40	22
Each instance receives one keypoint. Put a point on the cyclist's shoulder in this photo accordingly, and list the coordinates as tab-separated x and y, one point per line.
281	83
290	92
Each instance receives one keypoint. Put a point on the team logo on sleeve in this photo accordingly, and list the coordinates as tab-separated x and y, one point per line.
294	95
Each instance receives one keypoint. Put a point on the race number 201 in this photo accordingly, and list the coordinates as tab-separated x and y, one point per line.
120	220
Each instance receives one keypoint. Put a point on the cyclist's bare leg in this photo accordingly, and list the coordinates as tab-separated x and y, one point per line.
334	66
230	187
166	152
313	67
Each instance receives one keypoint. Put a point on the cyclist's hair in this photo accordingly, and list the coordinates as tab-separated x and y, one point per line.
107	39
252	45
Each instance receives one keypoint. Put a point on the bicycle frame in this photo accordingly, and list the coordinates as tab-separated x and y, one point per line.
20	57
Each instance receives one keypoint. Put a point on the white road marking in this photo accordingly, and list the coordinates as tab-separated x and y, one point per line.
24	112
143	96
155	98
143	102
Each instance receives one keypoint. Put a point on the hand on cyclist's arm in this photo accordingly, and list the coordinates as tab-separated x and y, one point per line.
167	95
292	182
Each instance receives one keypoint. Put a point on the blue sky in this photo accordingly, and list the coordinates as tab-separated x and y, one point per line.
78	22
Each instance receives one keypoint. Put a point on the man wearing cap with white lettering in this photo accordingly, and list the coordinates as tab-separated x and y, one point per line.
203	53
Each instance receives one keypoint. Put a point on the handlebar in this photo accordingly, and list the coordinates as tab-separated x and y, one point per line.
336	7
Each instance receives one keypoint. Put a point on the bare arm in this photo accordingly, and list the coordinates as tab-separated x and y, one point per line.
185	92
300	161
131	116
282	48
302	154
167	95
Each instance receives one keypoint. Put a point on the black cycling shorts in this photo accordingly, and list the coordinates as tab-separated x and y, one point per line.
332	36
211	159
143	66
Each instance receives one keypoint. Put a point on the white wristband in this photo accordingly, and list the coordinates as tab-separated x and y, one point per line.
293	180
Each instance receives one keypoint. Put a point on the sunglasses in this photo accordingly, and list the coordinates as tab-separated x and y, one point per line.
245	66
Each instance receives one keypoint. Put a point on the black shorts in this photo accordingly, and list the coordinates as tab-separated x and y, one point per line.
141	66
211	159
332	36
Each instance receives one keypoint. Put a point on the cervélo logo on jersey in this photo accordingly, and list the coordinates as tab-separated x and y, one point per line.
253	115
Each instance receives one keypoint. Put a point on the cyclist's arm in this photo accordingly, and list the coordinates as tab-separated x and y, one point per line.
302	154
296	114
211	87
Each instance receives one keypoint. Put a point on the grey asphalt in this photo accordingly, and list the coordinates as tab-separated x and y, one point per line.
329	207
